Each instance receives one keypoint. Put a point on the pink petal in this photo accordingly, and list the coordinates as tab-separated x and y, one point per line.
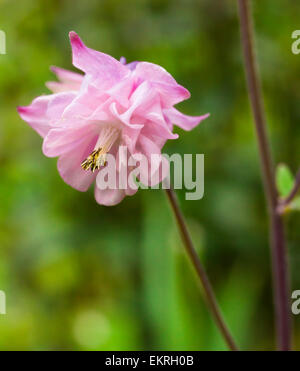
63	140
69	166
68	81
121	92
152	175
89	100
67	76
124	117
153	72
109	197
171	92
58	87
105	70
129	138
46	111
35	114
183	121
146	105
57	105
142	98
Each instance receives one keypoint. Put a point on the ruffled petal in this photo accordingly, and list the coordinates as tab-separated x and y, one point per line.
35	114
153	72
68	81
144	115
88	102
121	92
57	105
183	121
105	69
109	197
63	140
170	91
67	76
171	94
69	166
129	138
158	166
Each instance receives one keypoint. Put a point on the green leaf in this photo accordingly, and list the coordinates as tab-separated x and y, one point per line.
284	180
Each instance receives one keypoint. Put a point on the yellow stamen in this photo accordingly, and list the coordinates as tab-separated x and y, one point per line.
97	158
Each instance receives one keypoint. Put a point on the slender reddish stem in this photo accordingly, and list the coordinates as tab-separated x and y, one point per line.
209	293
277	243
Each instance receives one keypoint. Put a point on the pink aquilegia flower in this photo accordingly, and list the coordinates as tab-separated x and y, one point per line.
112	104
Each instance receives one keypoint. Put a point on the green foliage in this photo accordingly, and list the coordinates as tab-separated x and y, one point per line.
285	183
284	179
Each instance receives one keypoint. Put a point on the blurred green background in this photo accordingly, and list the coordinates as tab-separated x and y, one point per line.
85	277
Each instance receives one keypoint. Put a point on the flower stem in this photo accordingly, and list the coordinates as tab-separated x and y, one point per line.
210	296
278	245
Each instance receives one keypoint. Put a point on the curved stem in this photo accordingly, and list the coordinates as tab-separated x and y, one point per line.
210	296
278	246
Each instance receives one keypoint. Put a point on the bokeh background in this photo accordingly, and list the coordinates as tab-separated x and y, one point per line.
84	277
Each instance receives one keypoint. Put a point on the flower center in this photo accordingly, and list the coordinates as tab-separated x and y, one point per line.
97	158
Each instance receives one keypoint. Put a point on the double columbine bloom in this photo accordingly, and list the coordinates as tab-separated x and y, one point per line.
112	106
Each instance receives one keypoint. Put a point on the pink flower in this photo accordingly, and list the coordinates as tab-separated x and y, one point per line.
111	105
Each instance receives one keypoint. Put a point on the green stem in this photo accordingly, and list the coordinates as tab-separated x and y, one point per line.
209	293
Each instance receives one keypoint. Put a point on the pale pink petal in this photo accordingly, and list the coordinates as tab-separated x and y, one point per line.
58	87
85	105
69	166
146	105
129	138
109	197
130	191
105	69
183	121
158	167
122	91
170	91
63	140
125	117
142	98
68	81
57	105
66	75
35	114
171	94
153	72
